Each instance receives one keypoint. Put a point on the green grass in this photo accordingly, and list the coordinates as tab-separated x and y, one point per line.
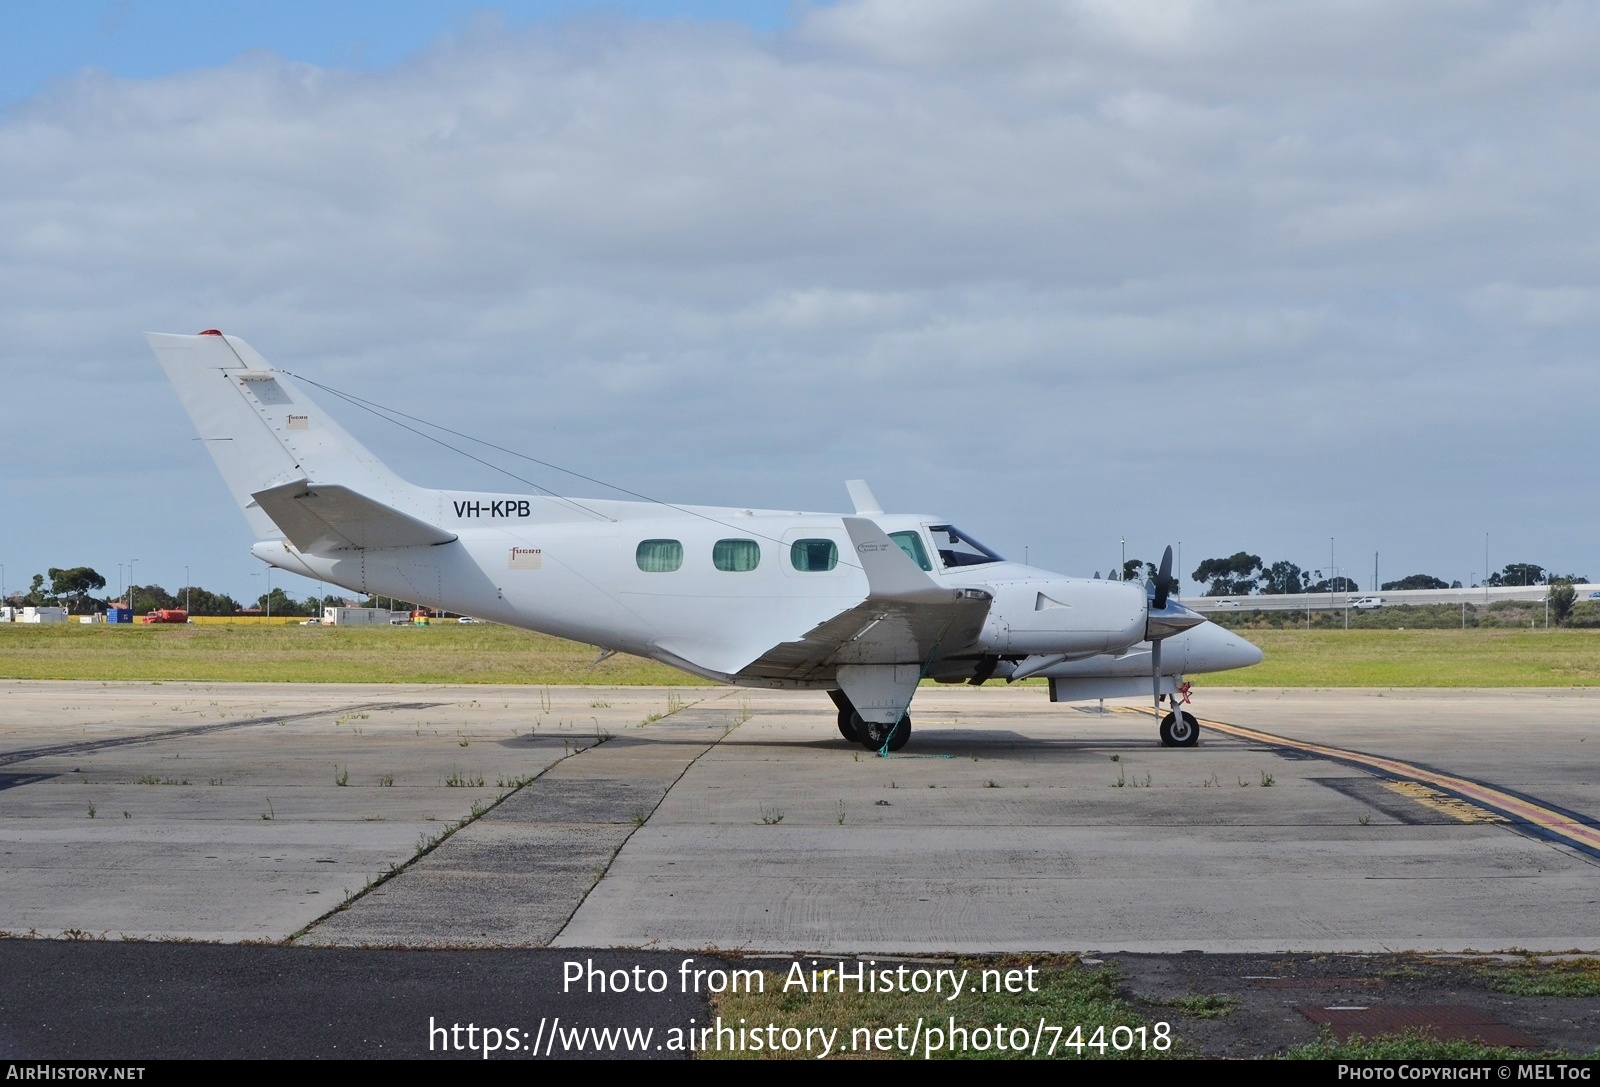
485	653
1413	1045
1217	1006
1418	658
1068	995
1577	978
445	653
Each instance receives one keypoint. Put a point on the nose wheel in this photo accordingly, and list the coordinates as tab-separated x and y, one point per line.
1180	729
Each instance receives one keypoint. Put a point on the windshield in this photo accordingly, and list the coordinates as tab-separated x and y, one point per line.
956	548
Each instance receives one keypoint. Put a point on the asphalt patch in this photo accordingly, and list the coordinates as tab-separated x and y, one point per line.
87	1000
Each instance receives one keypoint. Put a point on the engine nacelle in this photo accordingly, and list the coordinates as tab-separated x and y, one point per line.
1074	616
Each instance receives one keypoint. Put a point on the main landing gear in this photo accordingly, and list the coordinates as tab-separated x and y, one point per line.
869	734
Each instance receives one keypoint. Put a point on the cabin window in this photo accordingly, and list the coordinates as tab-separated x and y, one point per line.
911	544
736	556
814	556
659	556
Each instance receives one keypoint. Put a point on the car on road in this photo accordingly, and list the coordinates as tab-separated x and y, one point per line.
1367	602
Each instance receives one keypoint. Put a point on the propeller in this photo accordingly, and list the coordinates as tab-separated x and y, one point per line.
1164	582
1164	619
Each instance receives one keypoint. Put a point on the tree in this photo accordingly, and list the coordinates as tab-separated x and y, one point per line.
1282	577
1518	573
72	585
37	595
1232	576
153	598
1340	584
284	604
1139	570
1417	581
393	604
203	602
1562	597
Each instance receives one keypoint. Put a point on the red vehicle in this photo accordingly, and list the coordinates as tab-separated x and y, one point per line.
166	615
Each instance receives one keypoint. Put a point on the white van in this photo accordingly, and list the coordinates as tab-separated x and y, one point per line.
1367	602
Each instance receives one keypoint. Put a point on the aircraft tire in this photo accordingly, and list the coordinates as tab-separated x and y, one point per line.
1176	733
872	735
847	726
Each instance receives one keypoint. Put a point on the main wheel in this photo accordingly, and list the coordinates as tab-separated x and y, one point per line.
1179	730
873	734
847	726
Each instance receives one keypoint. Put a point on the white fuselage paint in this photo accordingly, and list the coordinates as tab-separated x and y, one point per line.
525	561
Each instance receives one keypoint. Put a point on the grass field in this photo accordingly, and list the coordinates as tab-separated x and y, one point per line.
485	653
440	653
1419	658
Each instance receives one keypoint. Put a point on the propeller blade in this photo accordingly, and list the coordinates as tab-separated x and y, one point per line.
1164	580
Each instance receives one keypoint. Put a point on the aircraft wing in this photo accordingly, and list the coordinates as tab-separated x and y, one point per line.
906	619
318	518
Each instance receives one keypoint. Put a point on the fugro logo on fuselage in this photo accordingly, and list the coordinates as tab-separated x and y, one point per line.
499	507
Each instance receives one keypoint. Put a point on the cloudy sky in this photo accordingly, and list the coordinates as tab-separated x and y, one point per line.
1245	275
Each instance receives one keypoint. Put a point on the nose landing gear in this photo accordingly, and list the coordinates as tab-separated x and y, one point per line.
1180	728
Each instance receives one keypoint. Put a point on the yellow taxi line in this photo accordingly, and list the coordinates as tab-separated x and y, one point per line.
1520	810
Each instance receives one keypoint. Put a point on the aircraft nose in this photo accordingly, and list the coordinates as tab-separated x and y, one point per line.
1217	649
1242	654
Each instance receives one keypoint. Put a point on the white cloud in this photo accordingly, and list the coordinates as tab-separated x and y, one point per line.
1036	263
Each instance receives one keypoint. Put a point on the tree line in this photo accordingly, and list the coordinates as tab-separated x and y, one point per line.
1243	574
74	588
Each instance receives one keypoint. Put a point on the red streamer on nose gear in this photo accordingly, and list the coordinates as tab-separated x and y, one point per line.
1183	689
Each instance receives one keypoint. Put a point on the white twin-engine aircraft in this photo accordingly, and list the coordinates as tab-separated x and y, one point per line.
863	607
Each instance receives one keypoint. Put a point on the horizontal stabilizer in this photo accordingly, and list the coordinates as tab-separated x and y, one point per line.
318	518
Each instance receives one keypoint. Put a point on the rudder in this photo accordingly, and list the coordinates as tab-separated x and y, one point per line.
263	430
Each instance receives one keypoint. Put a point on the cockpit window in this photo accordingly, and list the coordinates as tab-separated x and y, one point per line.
956	548
911	544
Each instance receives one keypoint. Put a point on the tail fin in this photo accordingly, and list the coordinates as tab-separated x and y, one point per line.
264	431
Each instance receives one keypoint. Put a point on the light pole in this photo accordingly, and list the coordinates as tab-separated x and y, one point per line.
130	588
1332	571
1485	567
185	590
